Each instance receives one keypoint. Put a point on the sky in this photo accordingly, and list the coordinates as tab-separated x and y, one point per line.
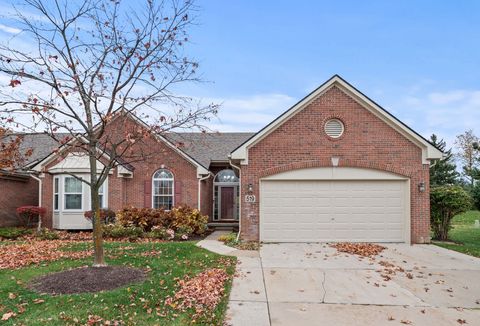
419	59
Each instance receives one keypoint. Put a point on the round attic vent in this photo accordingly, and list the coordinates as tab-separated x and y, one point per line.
334	128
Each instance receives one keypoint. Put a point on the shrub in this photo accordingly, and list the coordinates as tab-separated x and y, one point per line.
162	233
445	203
228	238
107	215
183	233
119	231
46	234
13	233
187	217
476	195
145	218
30	215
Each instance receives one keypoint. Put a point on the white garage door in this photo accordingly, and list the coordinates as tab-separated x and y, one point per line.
317	211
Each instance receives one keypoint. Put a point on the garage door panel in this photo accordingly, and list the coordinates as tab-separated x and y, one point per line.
305	211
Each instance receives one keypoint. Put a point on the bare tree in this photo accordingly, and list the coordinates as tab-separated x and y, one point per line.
469	155
11	156
92	59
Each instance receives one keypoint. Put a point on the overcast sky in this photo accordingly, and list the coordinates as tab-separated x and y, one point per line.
418	59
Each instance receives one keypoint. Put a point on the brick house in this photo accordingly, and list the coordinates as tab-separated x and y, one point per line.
334	167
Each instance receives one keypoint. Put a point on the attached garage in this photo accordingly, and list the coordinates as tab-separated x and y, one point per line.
335	204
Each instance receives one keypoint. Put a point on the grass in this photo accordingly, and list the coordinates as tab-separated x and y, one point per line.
465	237
136	304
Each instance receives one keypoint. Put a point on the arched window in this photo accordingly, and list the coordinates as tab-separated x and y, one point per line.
226	176
162	194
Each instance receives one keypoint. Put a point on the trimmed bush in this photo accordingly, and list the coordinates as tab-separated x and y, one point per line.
185	217
145	218
183	233
30	215
117	231
107	215
159	232
445	203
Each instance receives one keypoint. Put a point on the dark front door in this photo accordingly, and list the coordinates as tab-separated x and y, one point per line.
227	203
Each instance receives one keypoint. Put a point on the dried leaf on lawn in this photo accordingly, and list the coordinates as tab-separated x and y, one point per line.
202	292
33	252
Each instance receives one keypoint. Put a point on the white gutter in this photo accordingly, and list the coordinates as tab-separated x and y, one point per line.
240	197
200	187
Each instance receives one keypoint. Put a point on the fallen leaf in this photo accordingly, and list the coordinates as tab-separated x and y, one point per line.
8	315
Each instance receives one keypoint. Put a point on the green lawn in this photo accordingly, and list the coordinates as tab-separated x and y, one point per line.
137	304
466	238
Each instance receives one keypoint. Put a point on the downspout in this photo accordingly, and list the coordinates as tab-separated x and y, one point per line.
39	189
240	196
200	188
39	198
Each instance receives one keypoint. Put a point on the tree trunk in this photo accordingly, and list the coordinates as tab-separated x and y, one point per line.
98	252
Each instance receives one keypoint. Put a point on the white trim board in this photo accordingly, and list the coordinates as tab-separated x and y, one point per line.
429	152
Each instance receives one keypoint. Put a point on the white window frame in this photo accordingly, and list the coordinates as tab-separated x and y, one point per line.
172	179
56	193
72	193
102	188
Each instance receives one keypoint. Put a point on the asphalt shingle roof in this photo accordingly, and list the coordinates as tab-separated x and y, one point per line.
202	147
209	147
41	144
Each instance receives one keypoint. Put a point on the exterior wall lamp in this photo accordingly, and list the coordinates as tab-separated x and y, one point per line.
335	160
250	188
421	187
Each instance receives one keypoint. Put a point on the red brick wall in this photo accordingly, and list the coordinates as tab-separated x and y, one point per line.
367	142
131	191
13	194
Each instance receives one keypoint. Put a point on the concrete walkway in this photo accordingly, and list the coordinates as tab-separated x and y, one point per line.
312	284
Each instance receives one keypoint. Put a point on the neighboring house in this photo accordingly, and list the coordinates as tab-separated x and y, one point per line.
19	188
334	167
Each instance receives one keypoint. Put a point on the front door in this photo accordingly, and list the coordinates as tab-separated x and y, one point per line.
227	203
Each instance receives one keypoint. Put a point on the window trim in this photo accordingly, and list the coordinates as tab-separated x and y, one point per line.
56	193
72	193
172	179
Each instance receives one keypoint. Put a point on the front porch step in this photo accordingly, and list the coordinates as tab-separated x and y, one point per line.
230	226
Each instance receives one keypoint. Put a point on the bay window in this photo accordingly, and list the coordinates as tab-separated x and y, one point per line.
73	193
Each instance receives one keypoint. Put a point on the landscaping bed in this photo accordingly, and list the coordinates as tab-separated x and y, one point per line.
87	279
230	239
171	272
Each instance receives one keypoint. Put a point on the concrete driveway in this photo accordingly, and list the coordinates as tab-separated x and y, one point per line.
312	284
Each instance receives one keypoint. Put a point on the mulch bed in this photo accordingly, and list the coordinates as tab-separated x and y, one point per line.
87	279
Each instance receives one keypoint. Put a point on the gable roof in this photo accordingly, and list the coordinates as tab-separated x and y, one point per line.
429	151
207	148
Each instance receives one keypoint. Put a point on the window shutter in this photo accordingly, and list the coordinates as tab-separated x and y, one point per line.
178	193
147	193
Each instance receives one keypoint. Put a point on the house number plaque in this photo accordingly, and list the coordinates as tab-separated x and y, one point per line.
250	198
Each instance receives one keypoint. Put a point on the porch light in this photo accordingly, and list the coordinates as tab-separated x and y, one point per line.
335	160
421	186
250	187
